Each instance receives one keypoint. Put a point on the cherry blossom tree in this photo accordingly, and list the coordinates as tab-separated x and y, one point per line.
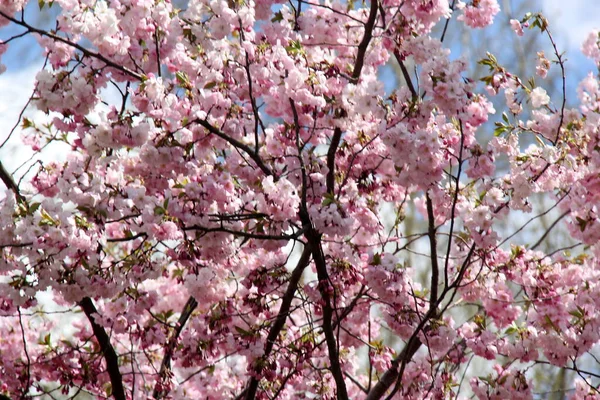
232	226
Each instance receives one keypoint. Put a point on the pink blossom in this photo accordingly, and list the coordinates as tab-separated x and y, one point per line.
591	46
479	13
244	208
166	231
539	97
516	26
542	66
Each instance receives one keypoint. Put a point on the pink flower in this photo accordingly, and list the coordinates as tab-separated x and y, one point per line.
166	231
479	13
542	65
516	26
591	46
539	97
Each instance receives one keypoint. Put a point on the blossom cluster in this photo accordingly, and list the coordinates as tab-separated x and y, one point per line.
236	223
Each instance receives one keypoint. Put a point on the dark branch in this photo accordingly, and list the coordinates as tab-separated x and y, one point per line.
284	311
406	75
85	51
239	145
335	142
435	269
332	347
159	389
110	356
247	235
364	43
10	183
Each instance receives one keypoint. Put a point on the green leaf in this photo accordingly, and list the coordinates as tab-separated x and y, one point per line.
582	223
376	259
576	313
108	390
487	379
328	199
47	340
295	48
510	330
27	123
500	129
183	79
243	332
277	17
549	322
210	85
33	207
48	220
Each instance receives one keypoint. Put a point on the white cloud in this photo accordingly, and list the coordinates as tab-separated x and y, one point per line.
571	21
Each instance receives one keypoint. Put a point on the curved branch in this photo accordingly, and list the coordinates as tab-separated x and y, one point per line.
541	239
394	373
358	66
332	345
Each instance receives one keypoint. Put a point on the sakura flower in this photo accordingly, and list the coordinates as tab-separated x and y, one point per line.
479	13
591	46
539	97
516	26
166	231
542	65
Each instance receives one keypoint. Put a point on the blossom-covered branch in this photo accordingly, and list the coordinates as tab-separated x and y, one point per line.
449	229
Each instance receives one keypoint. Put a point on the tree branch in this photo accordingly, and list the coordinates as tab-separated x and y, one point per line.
406	75
335	142
110	356
414	343
435	270
358	66
159	389
284	311
392	374
324	288
239	145
10	183
364	43
247	235
85	51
